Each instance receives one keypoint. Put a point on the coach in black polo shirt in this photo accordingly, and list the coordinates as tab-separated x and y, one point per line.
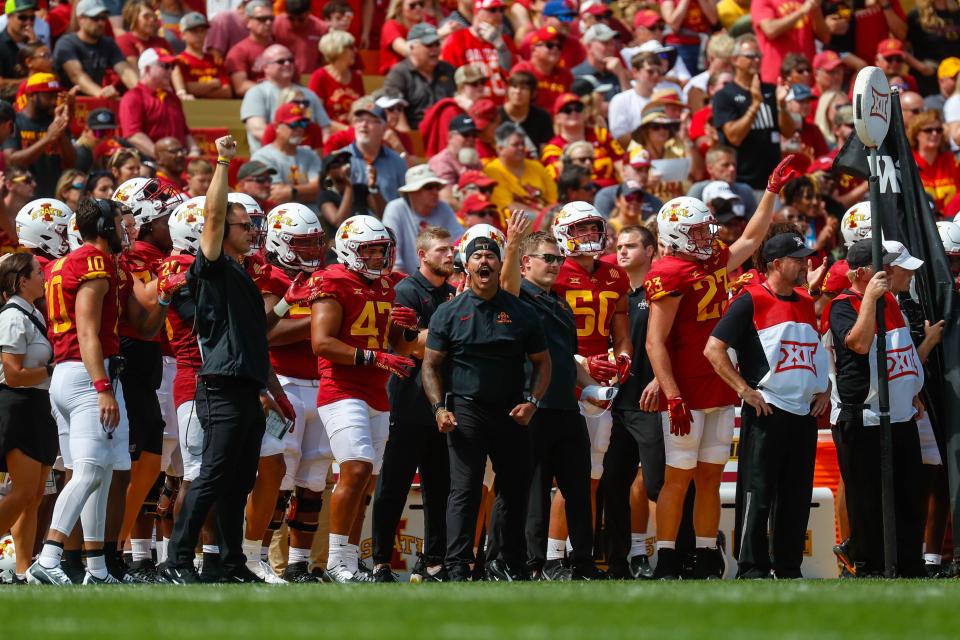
414	440
231	385
560	445
476	348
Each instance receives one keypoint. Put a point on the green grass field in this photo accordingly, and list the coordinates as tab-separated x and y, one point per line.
803	609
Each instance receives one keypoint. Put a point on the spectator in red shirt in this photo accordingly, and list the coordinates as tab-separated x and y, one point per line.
243	60
687	20
939	169
142	26
484	44
568	116
227	29
560	15
300	32
198	74
336	83
151	110
784	26
471	83
171	159
553	80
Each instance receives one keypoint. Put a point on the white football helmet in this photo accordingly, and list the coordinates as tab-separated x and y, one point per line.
186	225
73	234
950	236
358	233
295	237
686	225
480	231
42	224
856	223
573	243
147	198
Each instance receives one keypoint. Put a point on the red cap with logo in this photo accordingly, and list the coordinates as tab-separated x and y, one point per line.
828	60
545	34
646	18
563	100
290	112
475	203
890	47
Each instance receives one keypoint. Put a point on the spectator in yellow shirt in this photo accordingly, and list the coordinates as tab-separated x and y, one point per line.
522	183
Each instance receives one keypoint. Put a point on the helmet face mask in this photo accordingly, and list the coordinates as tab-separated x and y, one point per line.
686	225
294	238
42	224
355	244
148	199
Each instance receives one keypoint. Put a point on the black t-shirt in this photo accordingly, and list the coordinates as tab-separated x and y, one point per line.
408	404
560	330
933	44
9	55
47	167
230	322
641	373
486	342
853	369
538	126
759	153
95	59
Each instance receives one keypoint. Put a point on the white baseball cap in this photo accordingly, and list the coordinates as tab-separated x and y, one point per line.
903	259
718	189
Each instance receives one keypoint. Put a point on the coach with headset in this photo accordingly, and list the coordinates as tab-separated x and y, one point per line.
473	375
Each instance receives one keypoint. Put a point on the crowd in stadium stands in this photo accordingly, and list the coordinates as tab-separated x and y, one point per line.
452	113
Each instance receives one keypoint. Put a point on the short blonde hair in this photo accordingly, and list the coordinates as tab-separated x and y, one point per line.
334	44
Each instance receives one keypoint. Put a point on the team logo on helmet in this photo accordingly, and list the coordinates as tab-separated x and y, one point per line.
44	212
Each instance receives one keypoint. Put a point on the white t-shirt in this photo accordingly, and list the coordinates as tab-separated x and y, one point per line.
18	335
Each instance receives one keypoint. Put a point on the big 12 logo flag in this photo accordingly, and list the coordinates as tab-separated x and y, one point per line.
906	213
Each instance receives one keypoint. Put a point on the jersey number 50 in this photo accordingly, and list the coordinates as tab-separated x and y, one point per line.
581	303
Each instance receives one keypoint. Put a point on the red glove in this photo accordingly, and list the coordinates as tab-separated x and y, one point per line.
300	291
783	174
600	368
680	417
397	365
285	407
404	317
170	284
623	367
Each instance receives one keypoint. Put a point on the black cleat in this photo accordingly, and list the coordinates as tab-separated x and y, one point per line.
640	568
458	574
554	571
364	569
170	574
242	575
211	571
141	572
708	565
499	571
74	570
842	551
589	572
668	565
384	574
297	573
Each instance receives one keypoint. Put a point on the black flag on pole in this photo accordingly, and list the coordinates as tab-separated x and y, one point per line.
909	218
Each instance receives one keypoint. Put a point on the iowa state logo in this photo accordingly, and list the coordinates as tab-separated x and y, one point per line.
797	355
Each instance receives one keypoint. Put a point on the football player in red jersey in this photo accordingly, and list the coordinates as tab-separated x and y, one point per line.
687	292
855	225
83	306
597	293
351	332
151	205
294	248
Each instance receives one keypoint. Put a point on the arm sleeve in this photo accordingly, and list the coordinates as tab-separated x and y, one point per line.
737	322
438	337
13	332
842	319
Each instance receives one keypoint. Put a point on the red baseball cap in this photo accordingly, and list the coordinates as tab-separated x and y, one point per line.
42	83
475	203
646	18
545	34
487	4
828	60
594	8
483	112
823	163
290	112
890	47
478	178
563	100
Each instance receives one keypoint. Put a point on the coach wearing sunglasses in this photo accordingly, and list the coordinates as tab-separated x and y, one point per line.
297	166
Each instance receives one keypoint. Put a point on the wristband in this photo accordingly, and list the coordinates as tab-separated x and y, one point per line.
103	384
163	303
364	357
223	161
281	308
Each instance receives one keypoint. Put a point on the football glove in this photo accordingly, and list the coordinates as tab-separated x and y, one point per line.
300	291
680	417
624	363
285	407
397	365
782	174
600	368
170	284
404	317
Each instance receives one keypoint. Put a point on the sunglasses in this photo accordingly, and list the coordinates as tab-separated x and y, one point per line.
657	126
751	56
177	152
25	17
933	130
299	124
394	109
802	70
476	83
103	17
583	159
78	185
27	179
43	55
494	10
893	59
432	187
261	179
552	46
264	19
283	61
415	5
575	107
549	258
484	213
246	226
660	26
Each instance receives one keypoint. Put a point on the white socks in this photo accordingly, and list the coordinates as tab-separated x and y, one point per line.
706	543
264	553
50	555
932	558
339	550
638	544
211	548
251	549
97	565
162	550
140	548
298	555
666	544
556	549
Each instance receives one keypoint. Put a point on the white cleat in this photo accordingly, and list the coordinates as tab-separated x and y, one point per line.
38	574
89	578
341	574
265	572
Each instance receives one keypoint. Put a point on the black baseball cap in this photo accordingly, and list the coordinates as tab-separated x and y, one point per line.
786	245
463	124
860	254
101	120
340	156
